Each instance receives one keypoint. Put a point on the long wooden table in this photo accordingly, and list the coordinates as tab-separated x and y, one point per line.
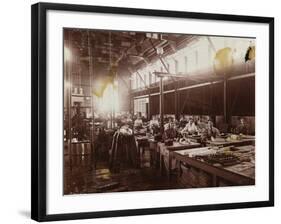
222	142
239	174
166	151
148	142
142	141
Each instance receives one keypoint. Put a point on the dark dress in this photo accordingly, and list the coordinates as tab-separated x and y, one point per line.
242	129
123	152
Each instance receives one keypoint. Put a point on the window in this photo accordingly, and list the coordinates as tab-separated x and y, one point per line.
196	58
176	66
137	82
185	64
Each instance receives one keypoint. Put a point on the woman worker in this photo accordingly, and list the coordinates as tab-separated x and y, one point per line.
210	131
190	128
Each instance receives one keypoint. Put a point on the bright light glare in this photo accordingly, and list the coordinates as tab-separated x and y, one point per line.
67	54
109	101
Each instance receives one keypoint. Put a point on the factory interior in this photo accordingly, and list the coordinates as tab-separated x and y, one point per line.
150	111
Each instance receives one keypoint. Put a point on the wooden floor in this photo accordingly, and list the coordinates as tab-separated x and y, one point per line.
81	177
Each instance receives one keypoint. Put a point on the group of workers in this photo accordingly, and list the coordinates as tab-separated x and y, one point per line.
123	144
202	127
192	126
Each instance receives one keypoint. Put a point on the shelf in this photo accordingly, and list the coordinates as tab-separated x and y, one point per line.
81	107
78	95
86	141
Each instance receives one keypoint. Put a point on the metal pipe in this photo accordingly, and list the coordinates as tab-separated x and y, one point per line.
143	81
211	44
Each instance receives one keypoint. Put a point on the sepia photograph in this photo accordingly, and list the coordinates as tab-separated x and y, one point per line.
149	111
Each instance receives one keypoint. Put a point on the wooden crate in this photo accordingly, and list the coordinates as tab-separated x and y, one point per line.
205	179
194	177
189	176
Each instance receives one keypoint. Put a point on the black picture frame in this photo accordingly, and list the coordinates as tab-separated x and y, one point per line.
39	108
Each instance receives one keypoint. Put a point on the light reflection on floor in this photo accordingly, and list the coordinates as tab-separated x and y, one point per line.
81	177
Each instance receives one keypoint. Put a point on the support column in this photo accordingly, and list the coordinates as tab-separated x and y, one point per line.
131	98
161	108
176	101
149	97
91	74
225	103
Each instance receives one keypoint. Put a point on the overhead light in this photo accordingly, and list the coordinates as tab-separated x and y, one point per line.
160	50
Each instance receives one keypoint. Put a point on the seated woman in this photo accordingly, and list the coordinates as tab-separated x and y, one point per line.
170	124
182	122
154	126
201	123
210	131
170	131
242	128
190	128
138	124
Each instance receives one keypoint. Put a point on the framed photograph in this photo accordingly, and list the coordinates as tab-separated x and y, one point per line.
140	111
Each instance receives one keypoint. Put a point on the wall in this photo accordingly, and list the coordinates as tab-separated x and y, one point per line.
208	99
15	111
